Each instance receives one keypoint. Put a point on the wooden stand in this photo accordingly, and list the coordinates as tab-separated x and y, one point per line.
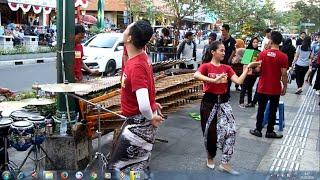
67	152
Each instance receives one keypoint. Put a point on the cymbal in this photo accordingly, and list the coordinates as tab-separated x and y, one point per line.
9	106
38	101
70	87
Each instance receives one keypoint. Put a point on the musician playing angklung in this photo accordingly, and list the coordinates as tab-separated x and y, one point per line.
217	120
135	142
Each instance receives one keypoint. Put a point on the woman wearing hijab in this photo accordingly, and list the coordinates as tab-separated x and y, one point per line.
289	50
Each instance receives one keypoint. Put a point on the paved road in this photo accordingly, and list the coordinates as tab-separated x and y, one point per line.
21	77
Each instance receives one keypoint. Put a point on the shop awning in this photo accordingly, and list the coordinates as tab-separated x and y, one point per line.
38	5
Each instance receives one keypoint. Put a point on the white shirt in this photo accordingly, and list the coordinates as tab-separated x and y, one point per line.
264	43
188	52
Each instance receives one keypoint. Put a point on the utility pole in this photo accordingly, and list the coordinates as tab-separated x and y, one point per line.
65	54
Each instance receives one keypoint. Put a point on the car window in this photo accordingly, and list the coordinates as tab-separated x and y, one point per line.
103	42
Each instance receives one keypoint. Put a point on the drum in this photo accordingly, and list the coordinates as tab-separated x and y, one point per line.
22	115
39	124
5	126
20	135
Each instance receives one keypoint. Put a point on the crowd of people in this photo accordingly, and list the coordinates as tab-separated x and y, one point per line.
47	35
219	68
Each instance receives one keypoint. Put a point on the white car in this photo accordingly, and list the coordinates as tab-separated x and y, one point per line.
103	52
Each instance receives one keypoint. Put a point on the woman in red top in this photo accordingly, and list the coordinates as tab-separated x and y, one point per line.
217	120
135	143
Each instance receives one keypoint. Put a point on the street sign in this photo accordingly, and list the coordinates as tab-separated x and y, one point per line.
308	24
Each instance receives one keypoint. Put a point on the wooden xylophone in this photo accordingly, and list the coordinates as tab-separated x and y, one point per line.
172	92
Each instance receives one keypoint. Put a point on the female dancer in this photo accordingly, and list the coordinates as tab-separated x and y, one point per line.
217	120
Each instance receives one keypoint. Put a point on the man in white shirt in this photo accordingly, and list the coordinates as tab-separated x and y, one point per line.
187	49
266	39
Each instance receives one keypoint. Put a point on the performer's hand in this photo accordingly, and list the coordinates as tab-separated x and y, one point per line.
94	72
159	108
254	64
156	120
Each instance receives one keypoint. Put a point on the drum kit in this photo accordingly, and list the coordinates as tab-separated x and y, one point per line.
22	129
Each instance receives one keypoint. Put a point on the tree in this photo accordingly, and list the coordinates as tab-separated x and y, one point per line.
182	8
309	12
247	16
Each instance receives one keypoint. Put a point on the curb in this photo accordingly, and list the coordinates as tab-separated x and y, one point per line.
27	61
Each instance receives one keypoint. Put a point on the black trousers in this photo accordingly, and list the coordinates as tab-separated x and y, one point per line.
315	67
247	87
2	159
300	74
262	101
207	104
316	85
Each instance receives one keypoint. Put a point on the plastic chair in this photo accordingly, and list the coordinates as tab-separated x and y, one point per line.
279	118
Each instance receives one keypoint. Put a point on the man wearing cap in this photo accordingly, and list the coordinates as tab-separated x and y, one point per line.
187	49
212	38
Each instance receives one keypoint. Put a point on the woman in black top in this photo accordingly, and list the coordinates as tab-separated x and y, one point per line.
289	50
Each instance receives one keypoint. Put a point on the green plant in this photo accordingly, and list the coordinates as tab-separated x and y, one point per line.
23	50
94	30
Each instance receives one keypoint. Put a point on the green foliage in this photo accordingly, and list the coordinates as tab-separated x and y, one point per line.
309	12
94	30
183	8
24	50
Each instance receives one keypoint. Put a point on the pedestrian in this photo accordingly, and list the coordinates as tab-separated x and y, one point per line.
212	38
236	65
315	49
78	55
230	48
217	120
133	147
265	42
316	85
289	50
272	83
163	45
247	86
301	62
187	49
300	39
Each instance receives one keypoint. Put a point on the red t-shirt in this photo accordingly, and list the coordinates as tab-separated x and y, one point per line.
137	74
78	54
273	60
212	71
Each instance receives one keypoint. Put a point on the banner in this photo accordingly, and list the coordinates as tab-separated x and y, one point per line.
44	3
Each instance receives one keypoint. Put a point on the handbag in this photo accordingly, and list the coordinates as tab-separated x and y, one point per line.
292	73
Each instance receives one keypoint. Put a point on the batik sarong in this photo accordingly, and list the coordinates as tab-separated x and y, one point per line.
219	129
133	147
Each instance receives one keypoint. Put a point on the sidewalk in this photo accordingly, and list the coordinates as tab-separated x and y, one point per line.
297	151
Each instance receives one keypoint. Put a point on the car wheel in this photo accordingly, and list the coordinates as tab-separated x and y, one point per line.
110	68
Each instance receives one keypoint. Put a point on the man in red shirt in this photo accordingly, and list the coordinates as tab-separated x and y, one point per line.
78	55
273	71
133	148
